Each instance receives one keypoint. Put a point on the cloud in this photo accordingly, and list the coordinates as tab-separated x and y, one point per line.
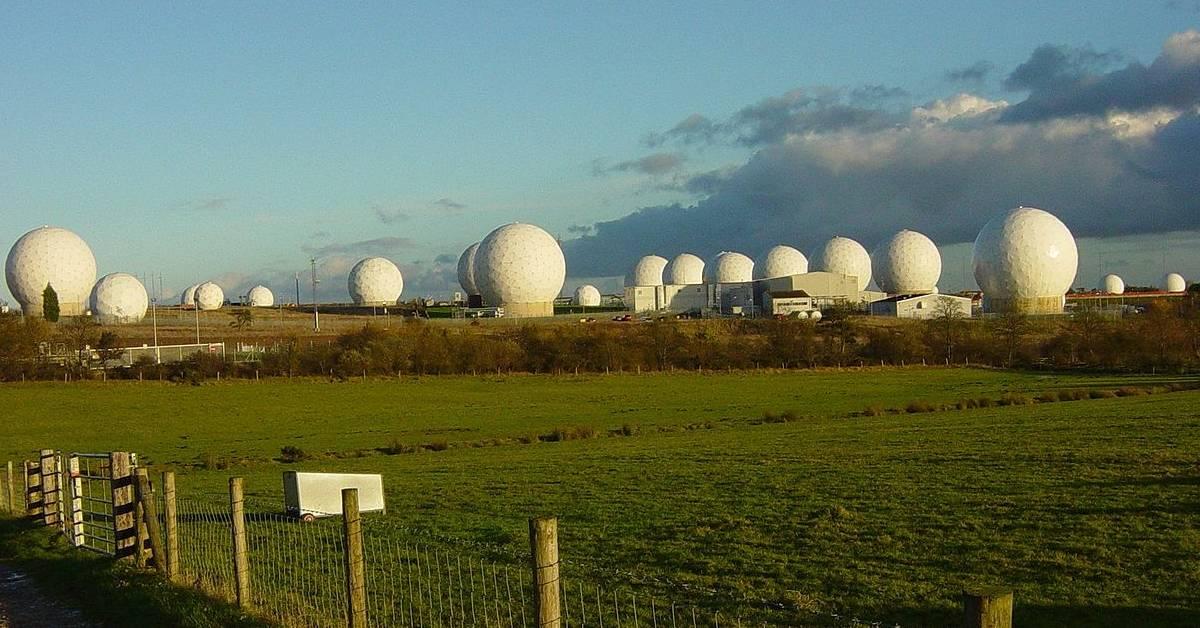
579	229
1064	82
213	203
655	164
943	168
448	204
389	216
376	246
975	73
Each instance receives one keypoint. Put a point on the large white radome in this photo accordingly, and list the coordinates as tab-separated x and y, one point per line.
375	281
907	263
209	296
1113	284
847	257
189	295
466	270
781	261
732	267
1025	260
118	299
260	296
51	256
519	263
685	270
648	271
587	295
1174	282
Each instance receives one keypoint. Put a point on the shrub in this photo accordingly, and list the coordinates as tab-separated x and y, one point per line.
292	453
788	416
916	407
984	402
397	447
1014	399
1130	391
1049	396
1101	394
437	445
569	433
874	411
630	430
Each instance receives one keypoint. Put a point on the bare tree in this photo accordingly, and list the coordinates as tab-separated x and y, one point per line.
948	321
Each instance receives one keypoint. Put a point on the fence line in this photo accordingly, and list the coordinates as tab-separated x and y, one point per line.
342	569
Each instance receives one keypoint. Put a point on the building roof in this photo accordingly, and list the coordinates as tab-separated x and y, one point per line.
789	294
905	297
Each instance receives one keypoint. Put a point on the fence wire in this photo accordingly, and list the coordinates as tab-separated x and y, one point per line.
297	569
205	547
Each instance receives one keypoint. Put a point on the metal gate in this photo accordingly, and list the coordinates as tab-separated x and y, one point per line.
91	523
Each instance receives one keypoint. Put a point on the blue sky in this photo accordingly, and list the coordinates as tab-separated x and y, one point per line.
233	141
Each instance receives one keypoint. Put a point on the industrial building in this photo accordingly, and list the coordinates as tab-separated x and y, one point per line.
920	306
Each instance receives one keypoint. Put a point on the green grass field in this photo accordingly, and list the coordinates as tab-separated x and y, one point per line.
1088	509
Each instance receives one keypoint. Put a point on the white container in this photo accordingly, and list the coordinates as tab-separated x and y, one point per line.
311	495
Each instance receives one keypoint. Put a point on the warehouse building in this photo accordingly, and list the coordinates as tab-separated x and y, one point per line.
919	306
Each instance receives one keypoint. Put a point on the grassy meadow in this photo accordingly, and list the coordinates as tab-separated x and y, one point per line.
774	486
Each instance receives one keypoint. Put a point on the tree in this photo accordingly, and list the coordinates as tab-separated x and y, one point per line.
50	308
242	318
947	320
1012	328
109	348
80	335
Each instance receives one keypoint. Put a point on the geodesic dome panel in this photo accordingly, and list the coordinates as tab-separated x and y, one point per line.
375	280
260	296
732	267
587	295
907	263
847	257
685	270
649	271
209	296
118	298
1174	282
50	256
519	263
1025	253
189	295
781	261
466	270
1113	284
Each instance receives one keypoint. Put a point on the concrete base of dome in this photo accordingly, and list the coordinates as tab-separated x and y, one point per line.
1024	305
64	309
528	310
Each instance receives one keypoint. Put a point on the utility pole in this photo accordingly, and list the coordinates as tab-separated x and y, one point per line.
315	281
297	290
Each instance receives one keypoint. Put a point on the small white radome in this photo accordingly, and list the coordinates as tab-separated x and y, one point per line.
587	295
188	297
1113	284
209	296
260	296
685	270
781	261
648	271
847	257
1174	282
907	263
375	281
732	267
466	270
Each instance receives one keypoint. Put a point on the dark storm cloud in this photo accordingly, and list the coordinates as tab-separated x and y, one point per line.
389	216
1064	83
449	204
825	166
213	203
975	73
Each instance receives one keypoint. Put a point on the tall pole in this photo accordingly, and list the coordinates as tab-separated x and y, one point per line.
154	317
316	316
197	307
298	290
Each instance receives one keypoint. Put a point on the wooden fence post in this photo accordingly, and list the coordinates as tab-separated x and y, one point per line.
33	490
150	513
125	533
63	493
172	524
50	493
987	608
241	559
8	494
356	574
543	545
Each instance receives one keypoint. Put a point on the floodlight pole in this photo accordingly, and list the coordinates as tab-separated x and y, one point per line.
154	318
316	315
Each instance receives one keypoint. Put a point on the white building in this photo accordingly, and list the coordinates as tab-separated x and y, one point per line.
920	306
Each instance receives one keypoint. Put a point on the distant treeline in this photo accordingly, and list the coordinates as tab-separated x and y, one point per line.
1165	338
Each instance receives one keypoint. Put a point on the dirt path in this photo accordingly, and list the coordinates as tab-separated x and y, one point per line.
22	605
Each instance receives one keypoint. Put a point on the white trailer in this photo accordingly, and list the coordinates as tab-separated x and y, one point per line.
309	495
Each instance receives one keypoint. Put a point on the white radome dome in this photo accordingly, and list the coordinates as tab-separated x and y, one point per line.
1113	284
375	281
466	270
815	315
649	271
519	263
587	295
847	257
189	296
781	261
209	296
1025	258
118	298
1174	282
51	256
907	263
685	270
260	296
732	267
